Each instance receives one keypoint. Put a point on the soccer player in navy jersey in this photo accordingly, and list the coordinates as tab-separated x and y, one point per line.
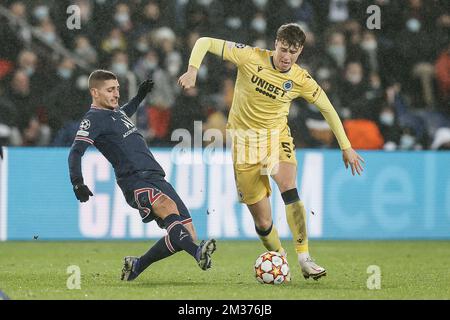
108	127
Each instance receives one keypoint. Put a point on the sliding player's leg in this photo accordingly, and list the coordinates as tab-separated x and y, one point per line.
155	204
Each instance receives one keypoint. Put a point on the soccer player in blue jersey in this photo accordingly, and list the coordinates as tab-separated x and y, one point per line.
108	127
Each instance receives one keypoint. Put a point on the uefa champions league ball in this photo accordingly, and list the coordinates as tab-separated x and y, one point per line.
272	268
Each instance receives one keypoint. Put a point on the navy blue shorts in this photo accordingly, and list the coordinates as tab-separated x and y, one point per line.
142	189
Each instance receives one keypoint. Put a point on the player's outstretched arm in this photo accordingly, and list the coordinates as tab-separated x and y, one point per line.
201	47
351	157
144	88
82	192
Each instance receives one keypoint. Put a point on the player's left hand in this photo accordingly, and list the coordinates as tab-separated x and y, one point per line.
351	157
82	192
145	87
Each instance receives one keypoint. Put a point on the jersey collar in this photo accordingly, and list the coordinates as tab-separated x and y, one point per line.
273	66
98	108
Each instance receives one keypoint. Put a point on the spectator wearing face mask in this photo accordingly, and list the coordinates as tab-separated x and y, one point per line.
369	45
258	26
336	48
353	91
389	128
409	140
148	66
63	100
48	34
13	35
417	47
32	118
120	65
122	19
114	42
84	50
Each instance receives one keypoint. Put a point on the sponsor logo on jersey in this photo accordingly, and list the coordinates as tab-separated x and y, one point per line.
126	134
85	124
266	88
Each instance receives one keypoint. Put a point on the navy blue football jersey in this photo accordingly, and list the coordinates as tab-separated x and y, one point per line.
117	138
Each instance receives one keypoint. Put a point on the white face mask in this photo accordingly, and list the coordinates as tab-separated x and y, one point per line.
82	82
407	141
354	78
259	24
413	25
233	22
49	37
120	69
65	73
29	71
337	52
387	118
142	47
323	73
122	18
260	4
295	3
205	3
369	45
114	43
150	65
173	69
40	12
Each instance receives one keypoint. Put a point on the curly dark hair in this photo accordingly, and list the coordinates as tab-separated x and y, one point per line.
291	33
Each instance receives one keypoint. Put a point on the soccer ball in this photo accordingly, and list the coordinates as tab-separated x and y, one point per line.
272	268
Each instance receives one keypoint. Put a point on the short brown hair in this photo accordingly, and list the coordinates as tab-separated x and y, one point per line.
291	33
98	76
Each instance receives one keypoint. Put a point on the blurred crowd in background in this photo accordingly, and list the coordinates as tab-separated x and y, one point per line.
391	86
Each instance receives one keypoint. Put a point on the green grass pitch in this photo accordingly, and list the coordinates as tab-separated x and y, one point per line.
409	270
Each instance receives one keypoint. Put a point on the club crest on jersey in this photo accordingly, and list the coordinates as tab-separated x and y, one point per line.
287	85
85	124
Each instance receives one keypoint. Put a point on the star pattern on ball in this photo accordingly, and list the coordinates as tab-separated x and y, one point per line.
266	257
276	271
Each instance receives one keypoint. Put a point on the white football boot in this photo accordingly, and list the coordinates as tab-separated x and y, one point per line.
311	269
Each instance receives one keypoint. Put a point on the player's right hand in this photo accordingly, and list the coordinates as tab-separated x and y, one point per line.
188	79
82	192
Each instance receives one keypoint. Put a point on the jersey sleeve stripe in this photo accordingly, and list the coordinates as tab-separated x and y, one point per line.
186	221
90	141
